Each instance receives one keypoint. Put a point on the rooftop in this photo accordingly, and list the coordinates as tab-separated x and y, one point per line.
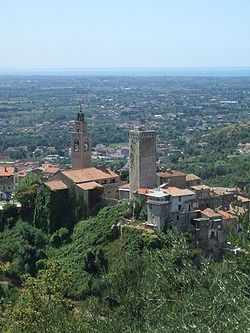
89	174
223	190
191	177
56	185
177	192
157	193
143	191
200	187
210	213
6	171
89	186
169	173
125	187
242	199
227	215
51	169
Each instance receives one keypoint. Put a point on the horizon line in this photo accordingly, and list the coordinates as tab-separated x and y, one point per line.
124	68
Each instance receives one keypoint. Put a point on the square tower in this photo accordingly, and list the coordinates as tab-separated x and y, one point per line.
142	159
80	144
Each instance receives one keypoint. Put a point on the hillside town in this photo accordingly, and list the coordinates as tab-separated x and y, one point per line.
169	197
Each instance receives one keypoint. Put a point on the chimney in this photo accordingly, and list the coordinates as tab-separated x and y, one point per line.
5	169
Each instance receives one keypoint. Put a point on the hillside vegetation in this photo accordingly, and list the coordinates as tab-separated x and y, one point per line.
219	163
99	280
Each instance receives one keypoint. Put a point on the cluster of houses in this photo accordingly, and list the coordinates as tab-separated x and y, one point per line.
170	197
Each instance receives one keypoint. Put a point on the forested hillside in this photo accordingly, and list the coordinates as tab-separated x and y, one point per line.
219	162
98	280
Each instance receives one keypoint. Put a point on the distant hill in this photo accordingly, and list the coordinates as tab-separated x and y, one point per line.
219	163
230	136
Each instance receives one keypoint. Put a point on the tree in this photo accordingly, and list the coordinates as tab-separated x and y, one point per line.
42	306
26	195
9	215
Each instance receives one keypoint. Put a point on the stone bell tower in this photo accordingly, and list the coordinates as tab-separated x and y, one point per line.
80	144
142	159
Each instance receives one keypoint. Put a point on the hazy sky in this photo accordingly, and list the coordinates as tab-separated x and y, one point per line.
128	33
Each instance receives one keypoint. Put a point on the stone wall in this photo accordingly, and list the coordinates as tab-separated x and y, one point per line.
142	159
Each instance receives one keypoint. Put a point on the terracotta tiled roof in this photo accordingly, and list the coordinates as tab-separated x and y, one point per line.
191	177
7	171
143	191
210	213
242	199
51	169
226	215
56	185
170	174
89	186
89	174
223	190
177	192
200	187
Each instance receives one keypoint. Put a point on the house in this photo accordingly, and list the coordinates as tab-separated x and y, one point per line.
184	206
168	206
158	208
124	192
46	171
192	180
7	182
171	178
210	236
221	197
202	194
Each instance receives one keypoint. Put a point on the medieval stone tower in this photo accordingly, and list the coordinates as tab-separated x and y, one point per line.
142	159
80	144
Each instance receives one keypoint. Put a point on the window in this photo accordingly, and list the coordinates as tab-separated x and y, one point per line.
179	207
189	207
86	144
112	180
179	199
76	145
177	217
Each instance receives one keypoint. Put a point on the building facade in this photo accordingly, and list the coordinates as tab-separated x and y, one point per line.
7	182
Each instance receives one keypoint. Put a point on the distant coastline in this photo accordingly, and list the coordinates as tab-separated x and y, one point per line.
147	72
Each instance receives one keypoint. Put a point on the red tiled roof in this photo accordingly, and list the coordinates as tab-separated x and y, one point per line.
242	199
51	169
7	171
200	187
56	185
88	186
192	177
177	192
170	174
89	174
210	213
143	191
226	215
223	190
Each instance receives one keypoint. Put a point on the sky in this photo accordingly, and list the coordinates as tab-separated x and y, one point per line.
87	34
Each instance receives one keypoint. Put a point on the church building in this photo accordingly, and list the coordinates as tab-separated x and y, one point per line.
84	180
